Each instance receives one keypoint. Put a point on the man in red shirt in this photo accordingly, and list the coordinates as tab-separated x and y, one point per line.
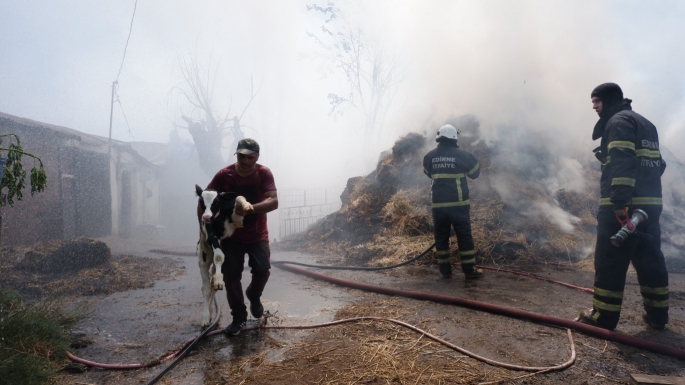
256	183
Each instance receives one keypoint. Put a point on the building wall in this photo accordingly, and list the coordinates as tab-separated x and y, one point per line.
135	203
92	192
38	217
82	196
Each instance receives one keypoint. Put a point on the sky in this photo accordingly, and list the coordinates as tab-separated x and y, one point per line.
520	67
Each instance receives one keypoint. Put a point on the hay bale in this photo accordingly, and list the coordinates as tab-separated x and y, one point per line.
349	189
404	166
386	216
60	256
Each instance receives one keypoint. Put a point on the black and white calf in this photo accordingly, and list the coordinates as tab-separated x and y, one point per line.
218	220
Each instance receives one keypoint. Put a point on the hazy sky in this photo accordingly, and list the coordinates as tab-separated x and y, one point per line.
515	65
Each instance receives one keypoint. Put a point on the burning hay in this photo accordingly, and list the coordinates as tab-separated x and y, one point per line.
386	218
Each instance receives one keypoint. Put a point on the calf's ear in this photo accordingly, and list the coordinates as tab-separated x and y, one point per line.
198	190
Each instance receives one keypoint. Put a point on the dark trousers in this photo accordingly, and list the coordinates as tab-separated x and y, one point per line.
459	218
259	255
611	266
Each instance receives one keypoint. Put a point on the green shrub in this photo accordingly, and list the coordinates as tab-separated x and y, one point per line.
33	338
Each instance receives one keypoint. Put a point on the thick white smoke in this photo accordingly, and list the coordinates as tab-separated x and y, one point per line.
524	69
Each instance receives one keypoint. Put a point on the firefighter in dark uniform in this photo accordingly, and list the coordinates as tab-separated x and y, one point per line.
448	166
631	179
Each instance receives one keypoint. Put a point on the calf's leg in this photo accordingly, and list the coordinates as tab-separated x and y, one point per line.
218	257
205	263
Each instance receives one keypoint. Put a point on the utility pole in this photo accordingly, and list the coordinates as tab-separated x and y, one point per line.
109	150
111	113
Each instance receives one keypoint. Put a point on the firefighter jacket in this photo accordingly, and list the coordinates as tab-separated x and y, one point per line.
631	161
448	166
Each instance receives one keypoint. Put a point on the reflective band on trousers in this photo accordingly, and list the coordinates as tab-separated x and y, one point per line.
644	201
623	182
608	293
450	204
467	253
654	290
448	176
654	303
470	261
645	153
621	144
606	306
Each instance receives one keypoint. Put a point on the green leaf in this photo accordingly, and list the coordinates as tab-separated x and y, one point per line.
14	177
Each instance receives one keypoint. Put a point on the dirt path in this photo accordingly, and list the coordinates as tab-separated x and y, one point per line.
139	325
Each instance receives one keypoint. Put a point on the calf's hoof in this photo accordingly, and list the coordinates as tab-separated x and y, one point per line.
217	284
204	325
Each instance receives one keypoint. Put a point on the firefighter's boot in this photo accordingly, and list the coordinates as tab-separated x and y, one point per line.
445	268
474	273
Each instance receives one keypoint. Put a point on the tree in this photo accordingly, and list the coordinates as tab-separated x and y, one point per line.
13	174
204	122
373	75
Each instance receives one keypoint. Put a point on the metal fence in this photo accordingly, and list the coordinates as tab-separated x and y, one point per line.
300	208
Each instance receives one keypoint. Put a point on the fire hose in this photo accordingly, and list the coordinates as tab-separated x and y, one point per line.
189	344
178	354
477	305
496	309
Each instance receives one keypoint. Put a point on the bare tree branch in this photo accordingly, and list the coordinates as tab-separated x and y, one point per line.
204	123
253	95
373	75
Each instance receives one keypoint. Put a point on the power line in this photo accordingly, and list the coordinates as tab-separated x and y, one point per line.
124	114
127	39
116	82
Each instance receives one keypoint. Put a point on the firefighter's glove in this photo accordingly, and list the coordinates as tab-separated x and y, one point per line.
599	154
621	215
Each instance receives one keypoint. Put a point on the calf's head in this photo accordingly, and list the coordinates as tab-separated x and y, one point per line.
213	203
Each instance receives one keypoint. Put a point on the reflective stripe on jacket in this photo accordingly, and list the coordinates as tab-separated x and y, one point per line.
448	166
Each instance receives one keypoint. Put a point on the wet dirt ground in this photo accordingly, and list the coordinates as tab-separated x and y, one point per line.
140	325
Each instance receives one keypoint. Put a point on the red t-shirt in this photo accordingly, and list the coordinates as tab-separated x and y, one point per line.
252	188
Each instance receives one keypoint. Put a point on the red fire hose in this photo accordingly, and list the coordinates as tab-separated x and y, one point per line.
588	329
186	344
496	309
529	275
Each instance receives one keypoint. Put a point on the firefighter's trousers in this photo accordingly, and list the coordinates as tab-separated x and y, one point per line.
458	217
611	266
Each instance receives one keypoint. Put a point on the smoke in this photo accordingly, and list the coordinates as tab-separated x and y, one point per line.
673	216
529	204
523	69
530	66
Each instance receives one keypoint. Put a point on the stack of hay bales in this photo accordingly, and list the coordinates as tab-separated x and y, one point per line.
385	216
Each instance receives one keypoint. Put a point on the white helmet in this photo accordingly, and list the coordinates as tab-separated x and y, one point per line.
447	131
